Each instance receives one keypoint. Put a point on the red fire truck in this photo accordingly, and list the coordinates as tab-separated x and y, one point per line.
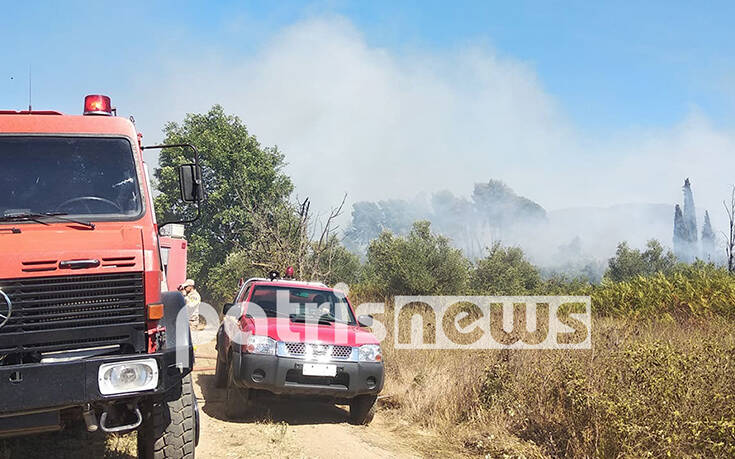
173	256
87	328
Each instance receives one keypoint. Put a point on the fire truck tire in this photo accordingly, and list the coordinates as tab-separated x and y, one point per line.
169	427
238	400
362	409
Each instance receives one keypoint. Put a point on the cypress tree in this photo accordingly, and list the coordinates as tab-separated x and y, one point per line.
708	239
681	236
690	215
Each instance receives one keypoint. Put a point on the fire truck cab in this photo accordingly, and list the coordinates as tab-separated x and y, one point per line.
87	330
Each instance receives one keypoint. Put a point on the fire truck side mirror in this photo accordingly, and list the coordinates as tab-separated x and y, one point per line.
190	180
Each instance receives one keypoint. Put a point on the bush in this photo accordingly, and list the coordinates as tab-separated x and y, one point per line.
340	265
647	389
505	271
421	263
560	284
630	263
696	290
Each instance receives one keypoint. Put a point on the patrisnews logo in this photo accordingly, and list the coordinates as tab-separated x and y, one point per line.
434	322
492	322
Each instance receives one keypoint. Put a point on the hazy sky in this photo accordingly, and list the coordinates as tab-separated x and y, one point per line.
569	103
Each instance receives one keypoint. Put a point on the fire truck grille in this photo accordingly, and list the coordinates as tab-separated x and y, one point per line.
72	312
319	350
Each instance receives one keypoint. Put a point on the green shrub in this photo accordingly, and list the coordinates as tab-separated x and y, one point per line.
696	290
629	263
505	271
421	263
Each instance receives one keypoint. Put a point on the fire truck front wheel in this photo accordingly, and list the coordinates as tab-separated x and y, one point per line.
169	425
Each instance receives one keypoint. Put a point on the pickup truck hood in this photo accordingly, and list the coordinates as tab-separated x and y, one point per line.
38	250
282	329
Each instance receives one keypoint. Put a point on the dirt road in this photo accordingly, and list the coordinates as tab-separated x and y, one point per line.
278	429
288	428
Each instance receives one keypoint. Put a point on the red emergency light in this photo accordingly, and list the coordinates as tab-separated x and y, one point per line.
97	104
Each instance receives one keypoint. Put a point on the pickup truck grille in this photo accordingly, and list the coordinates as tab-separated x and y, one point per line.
319	350
71	312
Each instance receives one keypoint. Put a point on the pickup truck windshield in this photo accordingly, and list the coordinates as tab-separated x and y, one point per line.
304	304
80	176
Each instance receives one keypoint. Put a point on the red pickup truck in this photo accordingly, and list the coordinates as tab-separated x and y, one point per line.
302	339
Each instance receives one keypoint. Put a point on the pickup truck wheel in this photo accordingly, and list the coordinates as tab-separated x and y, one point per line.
362	409
220	373
237	403
169	425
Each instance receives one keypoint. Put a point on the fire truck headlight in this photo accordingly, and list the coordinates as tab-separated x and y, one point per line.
129	376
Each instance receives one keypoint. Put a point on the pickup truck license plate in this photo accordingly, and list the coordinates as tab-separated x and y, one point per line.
319	369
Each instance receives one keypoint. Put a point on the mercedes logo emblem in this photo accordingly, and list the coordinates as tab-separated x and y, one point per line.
6	308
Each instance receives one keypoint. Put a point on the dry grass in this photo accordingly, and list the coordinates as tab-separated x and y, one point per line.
656	389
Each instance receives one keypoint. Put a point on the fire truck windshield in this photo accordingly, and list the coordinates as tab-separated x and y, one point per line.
83	176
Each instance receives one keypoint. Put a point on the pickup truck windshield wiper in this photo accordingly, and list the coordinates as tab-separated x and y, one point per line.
324	319
274	313
37	217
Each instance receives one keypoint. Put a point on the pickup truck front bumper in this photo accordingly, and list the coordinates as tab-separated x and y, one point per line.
284	375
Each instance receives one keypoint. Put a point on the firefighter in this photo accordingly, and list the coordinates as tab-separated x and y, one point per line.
192	302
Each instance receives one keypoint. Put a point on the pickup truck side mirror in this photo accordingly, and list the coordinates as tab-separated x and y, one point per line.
190	181
227	307
365	321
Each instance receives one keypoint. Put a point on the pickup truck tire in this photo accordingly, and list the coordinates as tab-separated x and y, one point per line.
169	427
238	400
220	373
362	409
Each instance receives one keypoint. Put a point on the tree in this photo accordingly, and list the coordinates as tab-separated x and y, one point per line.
242	180
708	239
288	235
457	218
681	235
629	263
504	271
369	219
420	263
730	237
471	224
501	207
340	265
690	214
685	227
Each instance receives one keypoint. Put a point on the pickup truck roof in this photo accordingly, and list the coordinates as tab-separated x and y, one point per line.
285	282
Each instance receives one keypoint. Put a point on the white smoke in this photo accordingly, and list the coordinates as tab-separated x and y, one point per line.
377	124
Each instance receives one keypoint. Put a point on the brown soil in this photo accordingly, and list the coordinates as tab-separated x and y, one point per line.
275	428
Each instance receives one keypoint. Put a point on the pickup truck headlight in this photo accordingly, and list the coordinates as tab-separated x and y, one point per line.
128	376
258	344
370	353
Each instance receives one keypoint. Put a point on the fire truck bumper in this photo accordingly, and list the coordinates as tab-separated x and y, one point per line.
41	387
